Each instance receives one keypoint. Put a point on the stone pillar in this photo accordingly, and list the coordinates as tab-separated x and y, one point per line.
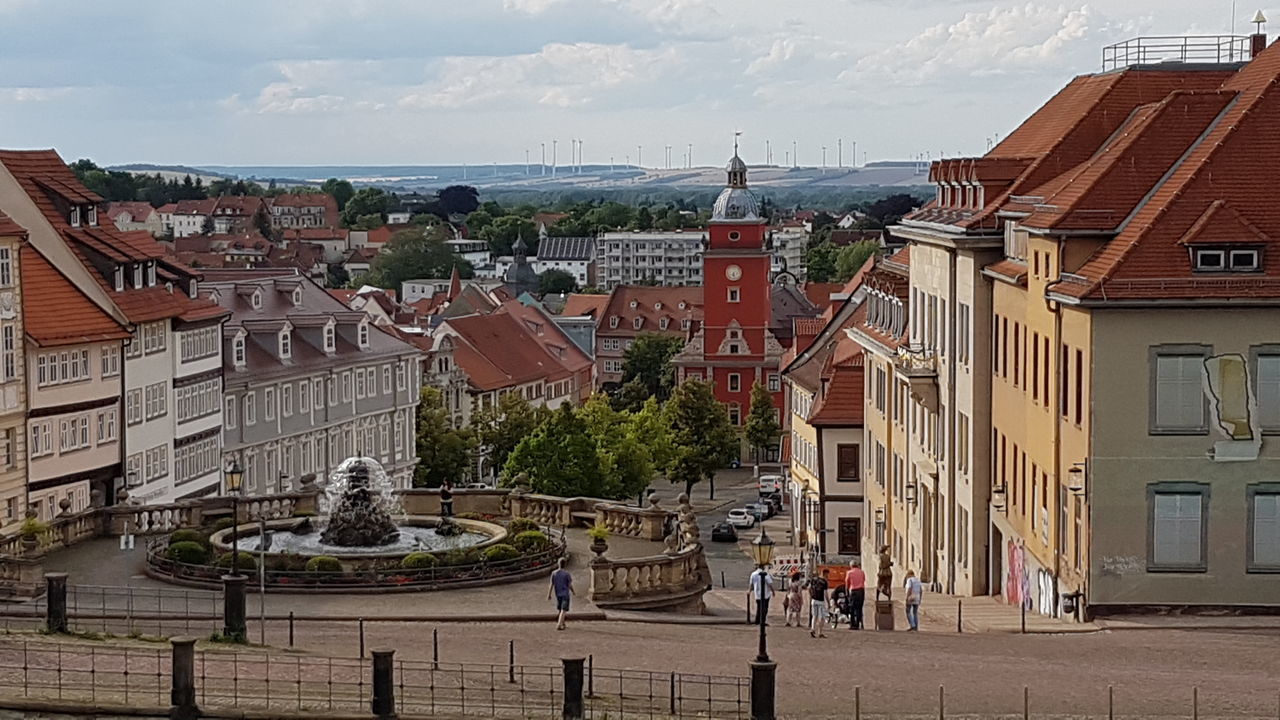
573	676
56	602
383	699
182	696
763	685
233	608
601	578
884	614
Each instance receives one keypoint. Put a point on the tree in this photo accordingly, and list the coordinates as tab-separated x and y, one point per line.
340	190
850	258
559	458
337	276
643	220
762	428
444	452
651	428
556	281
459	199
501	234
478	221
416	253
890	210
703	438
628	468
372	221
500	428
820	263
367	201
631	396
649	361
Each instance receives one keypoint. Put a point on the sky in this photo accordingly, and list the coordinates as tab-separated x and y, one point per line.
373	82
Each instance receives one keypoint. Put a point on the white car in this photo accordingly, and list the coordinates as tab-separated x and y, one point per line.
740	518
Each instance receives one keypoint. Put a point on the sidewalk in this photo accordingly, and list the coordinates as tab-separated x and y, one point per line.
986	614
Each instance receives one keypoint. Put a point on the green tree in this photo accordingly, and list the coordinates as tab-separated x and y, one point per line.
631	396
703	438
651	428
643	220
556	281
459	199
560	457
501	234
851	258
340	190
820	263
444	452
415	253
366	201
762	428
500	428
628	467
649	361
337	276
478	221
372	221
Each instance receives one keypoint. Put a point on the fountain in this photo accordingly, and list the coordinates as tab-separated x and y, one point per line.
359	517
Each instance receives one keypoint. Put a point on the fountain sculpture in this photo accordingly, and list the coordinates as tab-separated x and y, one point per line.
358	513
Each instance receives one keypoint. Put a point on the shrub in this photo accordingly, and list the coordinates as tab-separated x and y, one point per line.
194	536
598	532
188	551
518	525
324	563
222	524
531	541
459	557
244	562
469	516
499	553
32	527
419	561
287	562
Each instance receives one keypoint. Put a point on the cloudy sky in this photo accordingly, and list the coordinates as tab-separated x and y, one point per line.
448	81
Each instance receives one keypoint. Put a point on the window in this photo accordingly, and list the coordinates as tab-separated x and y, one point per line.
1079	396
237	351
399	377
1266	374
1243	261
734	295
133	406
75	216
229	414
328	338
613	321
847	463
663	323
1178	405
386	379
613	366
1264	528
735	414
250	409
775	382
962	441
110	360
286	399
286	345
735	382
6	266
269	401
156	399
360	385
106	425
638	323
963	320
6	448
1178	528
346	386
363	335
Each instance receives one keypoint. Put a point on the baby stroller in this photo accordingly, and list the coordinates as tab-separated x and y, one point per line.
840	609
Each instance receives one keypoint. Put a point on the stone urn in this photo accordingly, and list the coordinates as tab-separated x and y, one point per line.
599	546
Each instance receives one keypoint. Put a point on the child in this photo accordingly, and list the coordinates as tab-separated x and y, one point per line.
795	599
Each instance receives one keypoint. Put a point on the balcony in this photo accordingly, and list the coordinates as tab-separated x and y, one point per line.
919	366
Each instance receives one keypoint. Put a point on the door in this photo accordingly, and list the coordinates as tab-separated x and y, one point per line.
850	532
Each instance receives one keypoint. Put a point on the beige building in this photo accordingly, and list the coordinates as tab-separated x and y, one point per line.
13	391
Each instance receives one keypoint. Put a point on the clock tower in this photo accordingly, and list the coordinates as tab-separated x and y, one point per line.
734	347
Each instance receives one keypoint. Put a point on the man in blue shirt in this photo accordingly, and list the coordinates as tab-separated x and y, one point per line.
562	586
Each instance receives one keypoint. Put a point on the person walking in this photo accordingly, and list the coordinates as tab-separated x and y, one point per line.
855	586
562	587
914	592
762	593
795	599
446	499
818	605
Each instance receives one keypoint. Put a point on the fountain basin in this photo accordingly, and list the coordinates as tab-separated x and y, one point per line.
417	534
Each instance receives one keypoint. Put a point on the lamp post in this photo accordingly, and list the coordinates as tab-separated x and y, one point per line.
234	477
763	670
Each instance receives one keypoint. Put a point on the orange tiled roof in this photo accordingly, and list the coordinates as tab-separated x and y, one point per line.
581	304
55	312
497	351
840	403
651	305
820	293
10	228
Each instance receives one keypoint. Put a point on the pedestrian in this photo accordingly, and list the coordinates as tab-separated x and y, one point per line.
855	585
446	499
795	599
761	593
914	591
818	604
562	587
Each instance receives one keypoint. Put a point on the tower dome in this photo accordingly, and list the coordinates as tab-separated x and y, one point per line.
736	201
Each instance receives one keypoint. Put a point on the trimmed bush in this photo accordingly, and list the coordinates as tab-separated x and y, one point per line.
460	556
531	541
288	562
419	561
188	551
245	561
194	536
499	553
521	524
324	563
222	524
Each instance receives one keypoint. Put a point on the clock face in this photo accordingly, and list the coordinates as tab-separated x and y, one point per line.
733	272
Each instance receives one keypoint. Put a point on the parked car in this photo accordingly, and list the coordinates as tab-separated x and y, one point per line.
723	532
759	510
770	484
740	518
774	501
477	486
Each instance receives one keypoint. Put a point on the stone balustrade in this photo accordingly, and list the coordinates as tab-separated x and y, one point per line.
547	509
658	582
644	523
426	501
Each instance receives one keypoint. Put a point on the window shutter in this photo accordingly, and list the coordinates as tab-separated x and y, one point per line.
1176	535
1266	529
1269	390
1179	392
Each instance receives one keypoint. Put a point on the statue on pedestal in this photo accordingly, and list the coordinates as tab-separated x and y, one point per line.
884	575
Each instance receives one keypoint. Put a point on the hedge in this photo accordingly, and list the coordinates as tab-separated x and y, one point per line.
521	524
245	561
324	563
499	553
419	561
188	551
531	541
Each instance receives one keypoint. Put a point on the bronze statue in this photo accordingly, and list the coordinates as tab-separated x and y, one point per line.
884	576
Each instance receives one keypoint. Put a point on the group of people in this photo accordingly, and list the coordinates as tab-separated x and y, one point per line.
827	605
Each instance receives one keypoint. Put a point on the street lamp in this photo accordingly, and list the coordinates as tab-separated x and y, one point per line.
762	552
998	500
910	494
234	476
1077	478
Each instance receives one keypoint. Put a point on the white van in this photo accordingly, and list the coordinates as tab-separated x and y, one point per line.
770	484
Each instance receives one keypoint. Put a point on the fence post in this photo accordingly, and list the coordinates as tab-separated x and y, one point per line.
55	609
182	696
360	623
511	661
942	712
959	615
1111	702
290	628
591	675
383	699
573	707
435	648
233	609
1023	605
763	690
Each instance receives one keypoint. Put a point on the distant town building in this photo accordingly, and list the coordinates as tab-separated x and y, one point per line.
305	210
574	255
650	257
135	216
634	310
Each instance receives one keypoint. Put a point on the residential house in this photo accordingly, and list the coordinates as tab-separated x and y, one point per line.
335	241
634	310
574	255
303	211
309	383
657	257
135	216
240	215
191	217
13	390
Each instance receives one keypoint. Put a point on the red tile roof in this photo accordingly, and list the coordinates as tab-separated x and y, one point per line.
381	235
139	210
55	312
581	304
651	305
10	228
840	403
497	351
820	293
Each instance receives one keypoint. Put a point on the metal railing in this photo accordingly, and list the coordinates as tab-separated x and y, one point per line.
135	677
1188	49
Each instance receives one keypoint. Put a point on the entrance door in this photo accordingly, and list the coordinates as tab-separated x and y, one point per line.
926	536
850	536
997	562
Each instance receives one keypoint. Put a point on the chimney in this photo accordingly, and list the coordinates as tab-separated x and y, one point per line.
1258	41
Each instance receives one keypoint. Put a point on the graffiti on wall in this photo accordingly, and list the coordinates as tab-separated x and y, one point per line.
1017	584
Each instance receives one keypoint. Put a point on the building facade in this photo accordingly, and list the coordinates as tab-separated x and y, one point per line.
13	390
632	311
650	257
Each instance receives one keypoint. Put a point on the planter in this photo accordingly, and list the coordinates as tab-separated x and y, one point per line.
599	547
30	543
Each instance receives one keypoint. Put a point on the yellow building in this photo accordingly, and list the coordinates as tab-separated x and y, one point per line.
13	396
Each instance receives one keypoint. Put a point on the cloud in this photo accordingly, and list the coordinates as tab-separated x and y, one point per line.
32	94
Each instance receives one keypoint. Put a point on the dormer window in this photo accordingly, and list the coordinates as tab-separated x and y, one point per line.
286	344
237	351
638	322
363	335
735	236
256	299
137	275
685	324
119	279
1244	260
657	306
328	338
663	323
75	216
613	321
151	274
635	304
1227	259
297	297
681	305
93	216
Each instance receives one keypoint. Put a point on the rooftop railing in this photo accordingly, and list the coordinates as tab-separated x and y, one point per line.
1211	49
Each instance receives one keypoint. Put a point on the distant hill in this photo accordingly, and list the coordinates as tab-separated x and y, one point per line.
169	171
